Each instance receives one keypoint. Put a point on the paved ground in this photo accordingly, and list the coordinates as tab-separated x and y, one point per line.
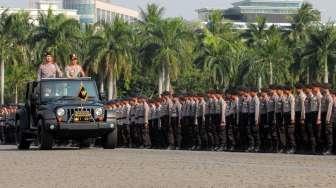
70	167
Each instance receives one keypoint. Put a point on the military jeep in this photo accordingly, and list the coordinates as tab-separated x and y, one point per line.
62	109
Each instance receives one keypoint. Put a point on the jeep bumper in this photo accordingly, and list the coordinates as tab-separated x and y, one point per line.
80	130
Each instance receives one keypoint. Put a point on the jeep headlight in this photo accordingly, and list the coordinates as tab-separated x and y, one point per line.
60	112
99	111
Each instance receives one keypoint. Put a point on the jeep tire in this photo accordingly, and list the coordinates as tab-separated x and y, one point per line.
110	140
21	142
45	139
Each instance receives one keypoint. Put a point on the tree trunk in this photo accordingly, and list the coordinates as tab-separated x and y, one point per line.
259	83
161	80
115	95
167	83
326	71
2	84
110	87
307	76
271	73
101	90
16	94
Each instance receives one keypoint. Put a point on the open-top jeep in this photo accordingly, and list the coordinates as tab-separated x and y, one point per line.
63	109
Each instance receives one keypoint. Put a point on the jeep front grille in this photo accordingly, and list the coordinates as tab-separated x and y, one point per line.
70	113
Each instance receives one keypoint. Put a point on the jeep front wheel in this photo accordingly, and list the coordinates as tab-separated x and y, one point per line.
110	140
21	142
45	139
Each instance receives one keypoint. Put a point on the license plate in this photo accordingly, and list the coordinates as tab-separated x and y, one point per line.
82	116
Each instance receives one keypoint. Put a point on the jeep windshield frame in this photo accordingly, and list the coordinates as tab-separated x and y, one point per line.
67	89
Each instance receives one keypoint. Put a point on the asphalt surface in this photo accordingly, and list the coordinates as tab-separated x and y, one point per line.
95	167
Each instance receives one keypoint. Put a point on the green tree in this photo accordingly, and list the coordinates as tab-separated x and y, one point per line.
302	26
270	52
321	50
58	34
166	43
112	47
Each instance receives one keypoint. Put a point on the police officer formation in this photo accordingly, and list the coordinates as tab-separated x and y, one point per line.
7	122
278	119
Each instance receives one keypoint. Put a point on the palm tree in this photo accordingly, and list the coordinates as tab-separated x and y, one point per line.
151	15
14	34
112	47
58	34
166	44
221	49
5	50
321	49
270	51
302	24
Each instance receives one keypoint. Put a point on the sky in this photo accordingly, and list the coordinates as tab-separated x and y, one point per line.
186	8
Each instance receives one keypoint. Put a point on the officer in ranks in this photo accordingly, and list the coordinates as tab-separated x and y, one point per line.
264	126
208	121
280	126
222	123
327	105
117	111
201	121
146	141
132	138
215	110
194	136
313	114
158	131
289	118
174	134
244	102
252	128
300	116
272	115
126	123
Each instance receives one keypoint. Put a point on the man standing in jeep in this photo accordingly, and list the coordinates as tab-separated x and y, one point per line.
48	69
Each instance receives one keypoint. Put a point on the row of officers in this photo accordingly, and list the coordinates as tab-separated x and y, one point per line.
273	120
7	122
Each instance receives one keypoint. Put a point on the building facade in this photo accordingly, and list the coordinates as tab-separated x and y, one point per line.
275	11
92	11
36	7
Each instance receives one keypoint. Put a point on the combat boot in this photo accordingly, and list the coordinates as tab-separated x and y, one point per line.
171	148
250	149
328	152
291	151
257	149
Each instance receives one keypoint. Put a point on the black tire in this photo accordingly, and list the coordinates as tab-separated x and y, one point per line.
45	139
84	143
110	140
21	142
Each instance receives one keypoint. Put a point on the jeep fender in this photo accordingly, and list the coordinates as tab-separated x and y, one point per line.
48	117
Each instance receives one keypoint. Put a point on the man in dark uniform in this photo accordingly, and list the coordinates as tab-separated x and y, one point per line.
300	116
264	125
195	131
252	128
272	115
327	105
244	102
175	137
208	122
222	123
201	122
313	114
132	125
289	119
